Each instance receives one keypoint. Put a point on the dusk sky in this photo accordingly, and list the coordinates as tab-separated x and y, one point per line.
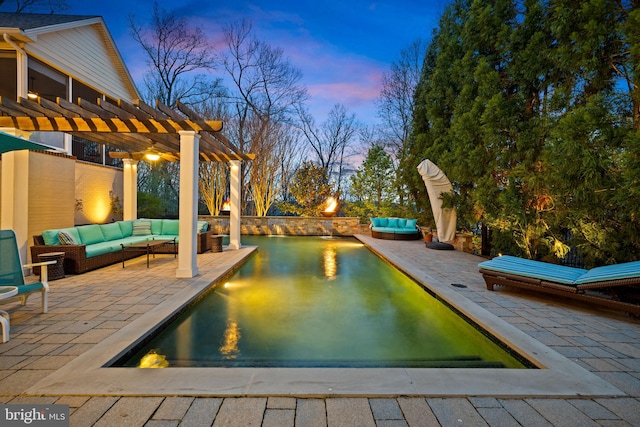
341	47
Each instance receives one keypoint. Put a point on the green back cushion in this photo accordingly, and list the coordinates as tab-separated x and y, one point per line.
50	237
392	222
90	234
411	223
384	222
141	227
170	227
203	226
111	231
126	227
156	226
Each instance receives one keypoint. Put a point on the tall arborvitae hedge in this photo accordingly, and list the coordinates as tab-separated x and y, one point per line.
531	109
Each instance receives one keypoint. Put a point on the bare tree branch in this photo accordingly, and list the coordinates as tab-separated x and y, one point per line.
177	54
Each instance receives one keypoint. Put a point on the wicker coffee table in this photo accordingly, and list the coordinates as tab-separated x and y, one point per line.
148	247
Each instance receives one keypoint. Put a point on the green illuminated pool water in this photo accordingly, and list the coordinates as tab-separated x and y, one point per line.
319	302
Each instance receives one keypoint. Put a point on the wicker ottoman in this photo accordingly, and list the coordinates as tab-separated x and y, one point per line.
54	271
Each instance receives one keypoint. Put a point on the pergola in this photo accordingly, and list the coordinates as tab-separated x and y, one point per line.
135	127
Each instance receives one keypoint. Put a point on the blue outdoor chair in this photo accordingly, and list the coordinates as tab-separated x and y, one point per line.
613	286
12	275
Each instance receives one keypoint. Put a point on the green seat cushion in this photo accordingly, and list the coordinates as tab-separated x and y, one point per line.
533	269
90	234
406	230
111	231
132	239
169	227
99	249
384	229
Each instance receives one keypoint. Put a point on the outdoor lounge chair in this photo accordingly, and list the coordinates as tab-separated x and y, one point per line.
609	286
12	274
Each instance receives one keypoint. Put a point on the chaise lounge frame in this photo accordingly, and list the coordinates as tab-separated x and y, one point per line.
611	291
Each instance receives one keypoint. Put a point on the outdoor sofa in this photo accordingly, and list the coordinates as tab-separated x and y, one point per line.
395	228
613	286
88	247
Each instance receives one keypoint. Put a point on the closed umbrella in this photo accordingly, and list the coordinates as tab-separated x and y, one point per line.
437	183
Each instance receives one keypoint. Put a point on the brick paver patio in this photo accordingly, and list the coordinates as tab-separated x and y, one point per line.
85	309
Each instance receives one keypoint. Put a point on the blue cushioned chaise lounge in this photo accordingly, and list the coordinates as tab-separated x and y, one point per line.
612	286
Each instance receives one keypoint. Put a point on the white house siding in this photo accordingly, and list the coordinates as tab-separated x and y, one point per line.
84	54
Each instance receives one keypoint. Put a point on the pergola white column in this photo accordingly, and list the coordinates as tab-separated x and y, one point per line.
188	209
14	205
130	189
236	203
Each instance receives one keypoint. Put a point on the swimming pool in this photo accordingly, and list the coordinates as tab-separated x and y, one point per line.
319	302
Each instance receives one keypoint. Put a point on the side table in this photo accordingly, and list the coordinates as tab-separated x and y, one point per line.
55	271
216	243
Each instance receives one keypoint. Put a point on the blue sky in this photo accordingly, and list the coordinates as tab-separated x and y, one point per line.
341	47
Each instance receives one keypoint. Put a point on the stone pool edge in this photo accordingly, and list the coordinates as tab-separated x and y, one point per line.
559	377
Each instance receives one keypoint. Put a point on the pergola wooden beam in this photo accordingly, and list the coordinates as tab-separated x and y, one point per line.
98	124
127	126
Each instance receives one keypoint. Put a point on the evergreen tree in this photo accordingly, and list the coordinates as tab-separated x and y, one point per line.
371	187
310	188
531	109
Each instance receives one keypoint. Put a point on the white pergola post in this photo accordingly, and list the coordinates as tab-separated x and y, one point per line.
236	203
14	204
188	209
130	189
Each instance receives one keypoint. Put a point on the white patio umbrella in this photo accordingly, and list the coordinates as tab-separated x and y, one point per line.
437	183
